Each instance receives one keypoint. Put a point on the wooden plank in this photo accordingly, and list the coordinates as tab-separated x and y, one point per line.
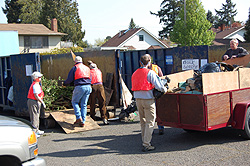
218	109
242	61
179	77
240	95
244	79
219	82
108	94
66	119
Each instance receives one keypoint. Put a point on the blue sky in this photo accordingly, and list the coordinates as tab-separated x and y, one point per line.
105	18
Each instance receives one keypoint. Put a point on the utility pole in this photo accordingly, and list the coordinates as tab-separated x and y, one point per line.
185	12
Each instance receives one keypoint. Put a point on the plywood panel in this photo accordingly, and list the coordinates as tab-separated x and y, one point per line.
218	108
167	108
244	77
219	82
240	95
242	61
179	77
191	109
66	119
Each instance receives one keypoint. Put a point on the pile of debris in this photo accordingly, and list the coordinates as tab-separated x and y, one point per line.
194	85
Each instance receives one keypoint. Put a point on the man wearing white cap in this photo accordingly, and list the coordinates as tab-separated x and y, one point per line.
35	101
80	75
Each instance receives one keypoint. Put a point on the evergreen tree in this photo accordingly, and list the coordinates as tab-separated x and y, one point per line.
167	14
132	25
210	16
12	10
226	13
247	27
30	11
194	30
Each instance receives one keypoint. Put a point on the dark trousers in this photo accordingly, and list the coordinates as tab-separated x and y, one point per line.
98	93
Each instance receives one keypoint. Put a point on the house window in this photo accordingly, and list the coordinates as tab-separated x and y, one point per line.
141	38
36	41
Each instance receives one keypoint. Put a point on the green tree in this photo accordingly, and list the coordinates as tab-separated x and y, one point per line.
167	14
226	13
210	16
247	27
66	13
12	10
132	25
99	42
30	11
194	30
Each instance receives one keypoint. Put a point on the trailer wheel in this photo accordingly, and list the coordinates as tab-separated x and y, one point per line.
246	132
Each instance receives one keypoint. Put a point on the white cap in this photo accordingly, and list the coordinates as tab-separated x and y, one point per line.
92	65
36	74
78	59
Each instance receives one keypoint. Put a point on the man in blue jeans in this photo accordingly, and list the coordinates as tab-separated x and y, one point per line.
80	75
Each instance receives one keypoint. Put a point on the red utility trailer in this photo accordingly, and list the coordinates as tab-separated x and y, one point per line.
225	102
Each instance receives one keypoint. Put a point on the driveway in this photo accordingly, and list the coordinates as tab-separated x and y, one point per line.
119	143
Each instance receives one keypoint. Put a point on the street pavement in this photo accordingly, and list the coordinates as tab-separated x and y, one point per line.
119	144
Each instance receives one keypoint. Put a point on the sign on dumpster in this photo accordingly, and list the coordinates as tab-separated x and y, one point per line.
190	64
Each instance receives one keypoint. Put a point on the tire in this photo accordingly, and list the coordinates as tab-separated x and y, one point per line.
246	132
9	161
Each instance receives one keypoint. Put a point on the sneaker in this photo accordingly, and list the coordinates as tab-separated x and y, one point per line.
161	131
105	122
37	135
40	132
148	148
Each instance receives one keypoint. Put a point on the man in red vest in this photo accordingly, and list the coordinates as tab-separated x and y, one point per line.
143	82
97	93
80	75
35	101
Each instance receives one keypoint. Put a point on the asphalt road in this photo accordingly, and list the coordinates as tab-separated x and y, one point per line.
119	143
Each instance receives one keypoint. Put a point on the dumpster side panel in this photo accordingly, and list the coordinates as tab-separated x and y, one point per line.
218	109
22	82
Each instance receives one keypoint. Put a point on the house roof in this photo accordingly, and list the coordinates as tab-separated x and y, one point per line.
124	35
221	37
223	34
30	29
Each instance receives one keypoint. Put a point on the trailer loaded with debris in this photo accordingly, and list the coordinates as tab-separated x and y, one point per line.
216	96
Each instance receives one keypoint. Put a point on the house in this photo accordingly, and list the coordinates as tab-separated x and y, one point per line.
225	34
35	37
134	39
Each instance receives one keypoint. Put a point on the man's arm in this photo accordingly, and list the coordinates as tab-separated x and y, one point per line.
70	77
156	81
242	52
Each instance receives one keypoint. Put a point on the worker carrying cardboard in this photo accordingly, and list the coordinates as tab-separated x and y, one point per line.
144	81
97	93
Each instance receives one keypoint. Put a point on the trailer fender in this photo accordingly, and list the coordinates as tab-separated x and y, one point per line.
240	111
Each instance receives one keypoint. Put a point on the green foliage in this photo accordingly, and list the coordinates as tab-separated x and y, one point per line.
226	13
99	42
132	24
43	11
247	27
53	93
169	11
63	50
195	30
210	17
30	11
12	10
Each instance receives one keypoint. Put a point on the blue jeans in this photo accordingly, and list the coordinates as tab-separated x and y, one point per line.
80	98
160	127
